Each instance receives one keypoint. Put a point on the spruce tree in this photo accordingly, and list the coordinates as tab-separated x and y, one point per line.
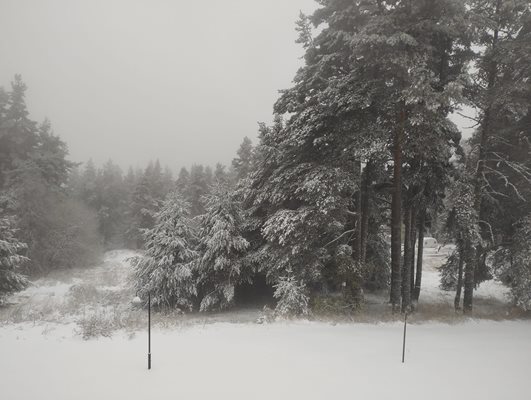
221	248
166	270
198	186
242	163
11	255
379	77
500	94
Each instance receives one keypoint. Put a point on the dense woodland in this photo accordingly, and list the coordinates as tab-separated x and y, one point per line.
360	163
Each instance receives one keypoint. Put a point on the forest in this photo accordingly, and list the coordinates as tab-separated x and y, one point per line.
361	162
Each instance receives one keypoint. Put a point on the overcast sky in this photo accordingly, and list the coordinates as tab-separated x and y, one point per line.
134	80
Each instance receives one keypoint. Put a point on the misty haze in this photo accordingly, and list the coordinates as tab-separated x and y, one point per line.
243	199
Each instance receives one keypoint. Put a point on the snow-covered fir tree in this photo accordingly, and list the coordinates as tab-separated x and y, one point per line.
166	269
243	162
512	264
221	247
500	92
377	75
292	295
11	257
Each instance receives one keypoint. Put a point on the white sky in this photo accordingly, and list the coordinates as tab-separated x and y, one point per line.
134	80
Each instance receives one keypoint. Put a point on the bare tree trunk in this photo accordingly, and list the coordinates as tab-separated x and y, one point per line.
469	257
413	234
457	301
396	212
365	209
406	270
357	237
420	255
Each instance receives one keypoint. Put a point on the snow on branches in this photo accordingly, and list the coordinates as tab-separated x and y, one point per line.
221	246
166	270
11	259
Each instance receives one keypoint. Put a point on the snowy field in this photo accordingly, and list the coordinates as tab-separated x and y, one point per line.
229	356
477	360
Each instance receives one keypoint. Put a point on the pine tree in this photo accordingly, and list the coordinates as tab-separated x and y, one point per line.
183	181
221	177
512	264
221	248
379	77
198	186
112	197
141	209
18	133
34	169
292	297
242	163
498	85
11	258
166	270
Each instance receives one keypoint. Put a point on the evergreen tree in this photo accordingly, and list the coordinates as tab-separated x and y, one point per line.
500	79
378	78
183	181
198	186
512	264
142	209
18	133
221	247
112	204
293	297
11	258
242	163
221	177
166	270
34	169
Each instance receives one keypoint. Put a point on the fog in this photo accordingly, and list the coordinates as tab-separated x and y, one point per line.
132	80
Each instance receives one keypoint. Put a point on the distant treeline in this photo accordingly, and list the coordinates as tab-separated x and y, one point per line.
125	203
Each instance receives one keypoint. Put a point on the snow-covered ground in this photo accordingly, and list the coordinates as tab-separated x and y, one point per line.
43	354
75	295
491	298
299	360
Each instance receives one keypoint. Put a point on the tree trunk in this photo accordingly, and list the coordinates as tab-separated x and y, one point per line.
457	301
406	269
420	255
413	234
469	258
472	263
358	239
396	212
365	209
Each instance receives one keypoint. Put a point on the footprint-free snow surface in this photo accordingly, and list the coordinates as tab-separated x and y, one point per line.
475	360
76	336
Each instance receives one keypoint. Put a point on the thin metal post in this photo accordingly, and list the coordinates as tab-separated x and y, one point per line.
149	330
404	342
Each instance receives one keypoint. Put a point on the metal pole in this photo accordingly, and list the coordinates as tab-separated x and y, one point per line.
149	330
404	342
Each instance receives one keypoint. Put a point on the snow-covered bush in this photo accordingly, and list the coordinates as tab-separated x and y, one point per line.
166	269
95	325
292	297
